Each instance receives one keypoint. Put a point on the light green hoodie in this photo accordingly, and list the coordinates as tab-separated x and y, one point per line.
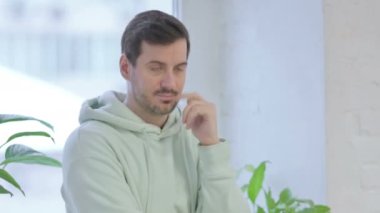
116	163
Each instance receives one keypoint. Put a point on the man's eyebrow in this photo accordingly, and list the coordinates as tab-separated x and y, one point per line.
156	62
182	64
164	64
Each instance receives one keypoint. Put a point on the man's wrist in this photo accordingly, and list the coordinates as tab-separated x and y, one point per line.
211	142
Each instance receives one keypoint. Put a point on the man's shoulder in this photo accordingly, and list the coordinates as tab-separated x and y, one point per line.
95	127
90	135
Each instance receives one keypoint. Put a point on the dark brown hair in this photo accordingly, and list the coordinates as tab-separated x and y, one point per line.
153	27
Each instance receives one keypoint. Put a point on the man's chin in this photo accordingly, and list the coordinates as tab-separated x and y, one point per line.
164	110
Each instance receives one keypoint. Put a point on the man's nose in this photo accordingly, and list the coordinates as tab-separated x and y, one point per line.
168	80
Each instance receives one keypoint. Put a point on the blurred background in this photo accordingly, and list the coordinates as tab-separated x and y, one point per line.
296	83
53	56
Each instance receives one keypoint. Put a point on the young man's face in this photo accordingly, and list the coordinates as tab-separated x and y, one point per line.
157	79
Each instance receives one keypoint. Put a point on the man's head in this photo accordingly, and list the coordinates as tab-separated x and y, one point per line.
155	48
153	27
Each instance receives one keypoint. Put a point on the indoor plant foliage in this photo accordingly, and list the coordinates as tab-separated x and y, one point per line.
18	153
286	202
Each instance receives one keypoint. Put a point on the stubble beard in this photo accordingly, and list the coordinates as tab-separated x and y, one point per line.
151	108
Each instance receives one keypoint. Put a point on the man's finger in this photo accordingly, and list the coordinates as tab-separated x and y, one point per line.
188	108
191	96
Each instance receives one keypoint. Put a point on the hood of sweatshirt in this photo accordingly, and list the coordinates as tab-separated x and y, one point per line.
109	108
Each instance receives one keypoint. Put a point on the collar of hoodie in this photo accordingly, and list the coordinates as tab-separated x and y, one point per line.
109	108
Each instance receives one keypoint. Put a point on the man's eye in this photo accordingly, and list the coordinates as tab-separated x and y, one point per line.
156	69
180	69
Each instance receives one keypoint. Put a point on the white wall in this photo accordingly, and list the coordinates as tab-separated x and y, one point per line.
262	63
352	32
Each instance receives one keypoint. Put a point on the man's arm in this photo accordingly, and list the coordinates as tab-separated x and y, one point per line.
218	191
93	180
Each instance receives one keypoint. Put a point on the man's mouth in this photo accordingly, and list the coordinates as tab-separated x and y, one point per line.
166	96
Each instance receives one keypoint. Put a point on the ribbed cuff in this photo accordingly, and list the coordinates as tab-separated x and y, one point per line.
215	158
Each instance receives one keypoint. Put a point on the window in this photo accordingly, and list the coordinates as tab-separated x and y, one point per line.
53	55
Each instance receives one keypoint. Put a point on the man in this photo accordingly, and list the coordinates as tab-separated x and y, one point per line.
139	153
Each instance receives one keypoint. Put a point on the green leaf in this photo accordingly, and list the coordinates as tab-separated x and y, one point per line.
286	197
260	210
7	177
18	153
316	209
271	204
256	182
321	209
4	118
290	210
5	191
307	210
23	134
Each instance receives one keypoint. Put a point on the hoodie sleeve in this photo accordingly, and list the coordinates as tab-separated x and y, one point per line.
218	191
93	180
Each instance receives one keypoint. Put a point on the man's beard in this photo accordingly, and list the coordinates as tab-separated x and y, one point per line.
149	107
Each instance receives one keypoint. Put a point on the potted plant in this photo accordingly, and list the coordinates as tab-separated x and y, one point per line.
285	203
18	153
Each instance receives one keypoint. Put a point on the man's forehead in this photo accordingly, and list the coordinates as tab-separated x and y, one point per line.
159	52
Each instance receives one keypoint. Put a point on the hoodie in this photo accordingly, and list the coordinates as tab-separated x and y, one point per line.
114	162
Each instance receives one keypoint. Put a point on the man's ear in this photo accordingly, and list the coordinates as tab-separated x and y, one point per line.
125	67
